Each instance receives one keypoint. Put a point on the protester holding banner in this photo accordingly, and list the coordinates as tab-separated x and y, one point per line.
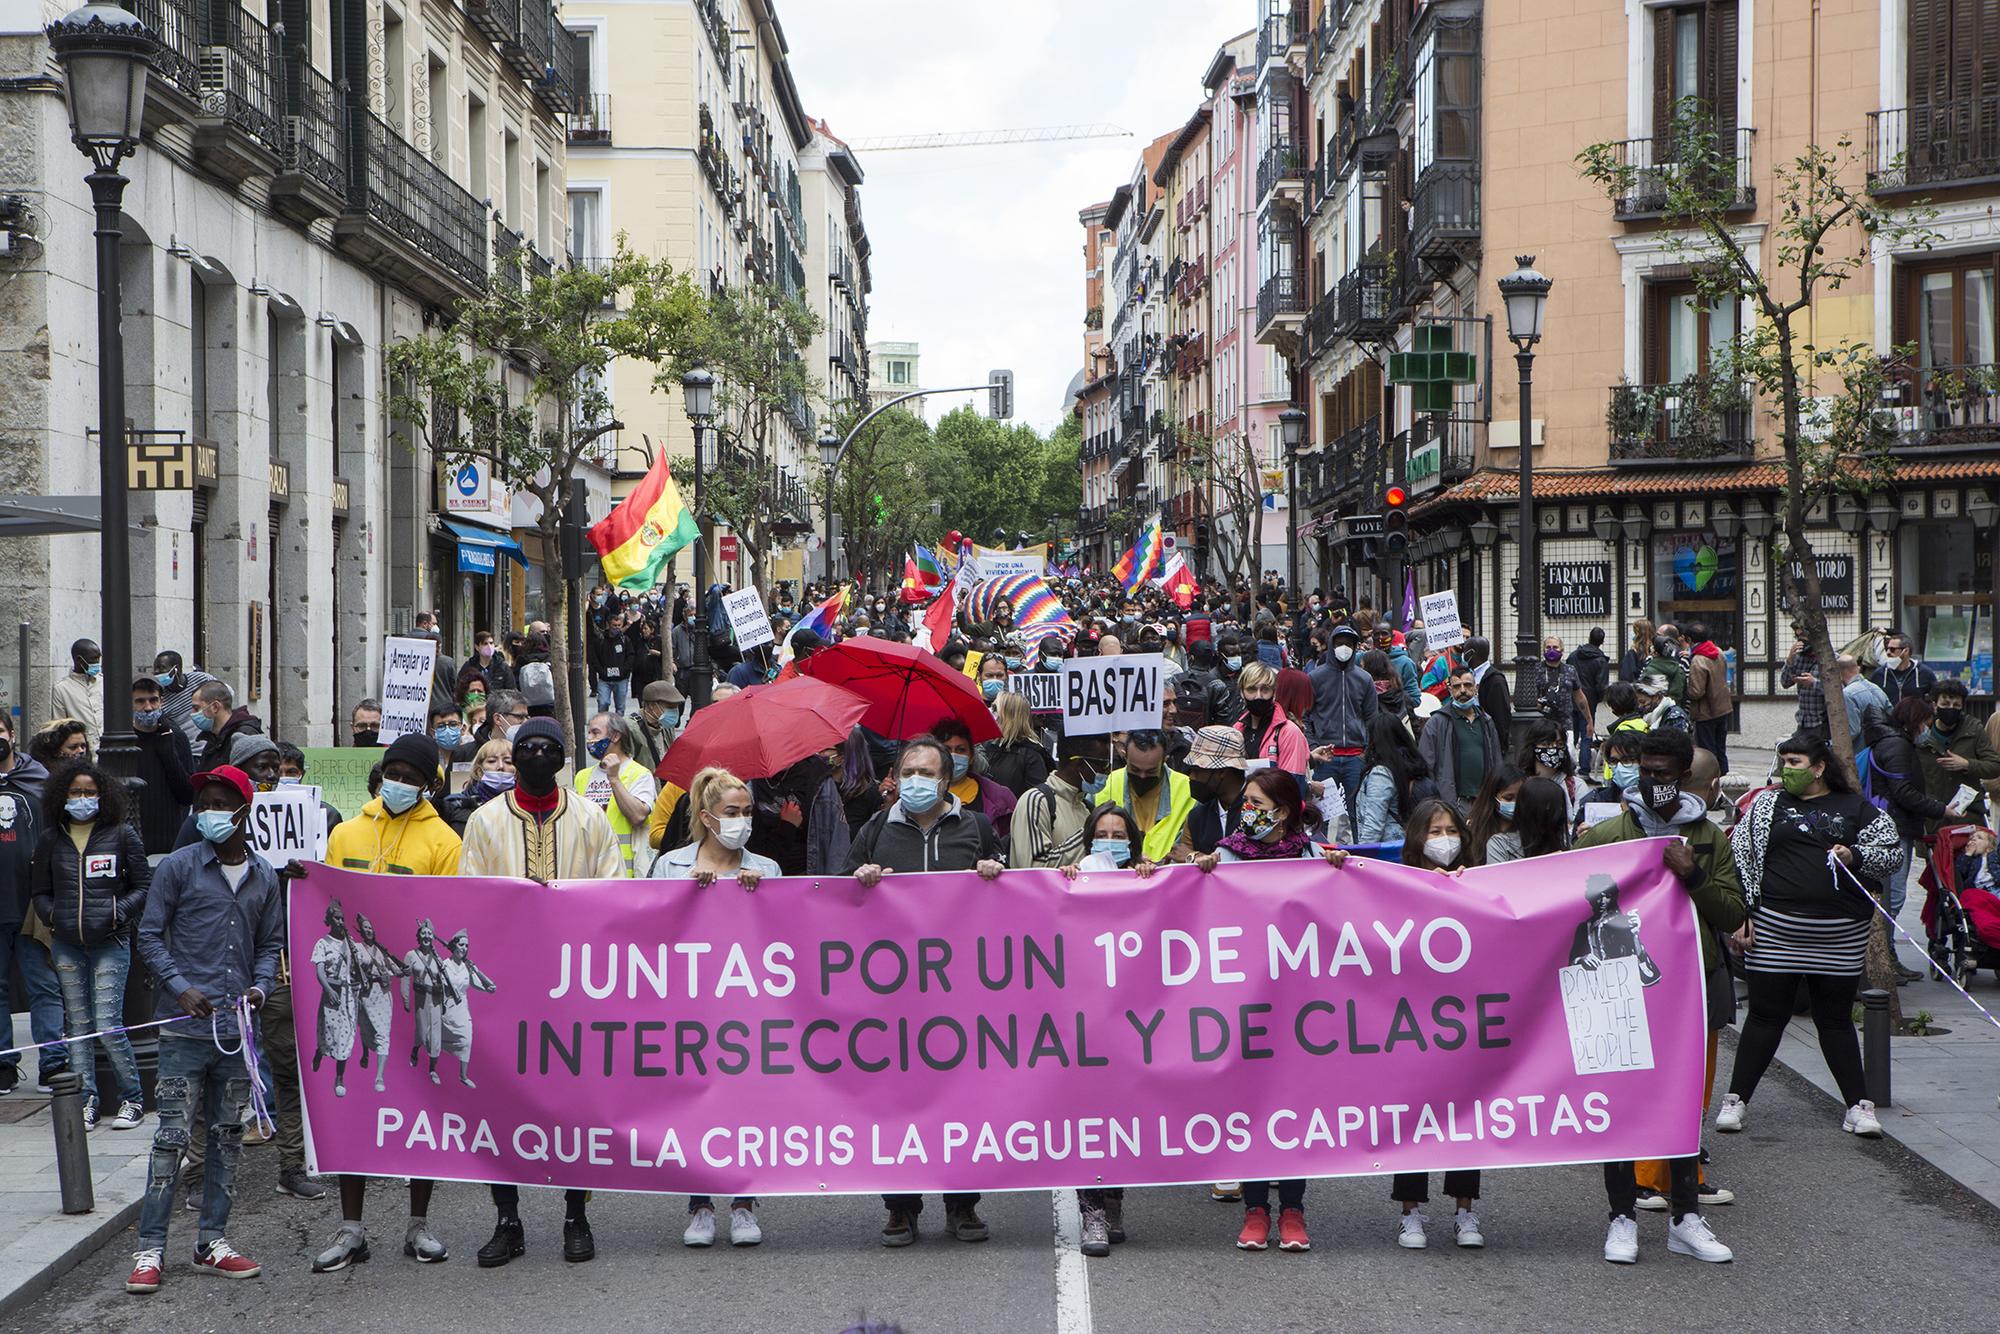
1018	760
1050	819
1809	923
1434	837
398	832
1158	797
89	884
620	787
213	933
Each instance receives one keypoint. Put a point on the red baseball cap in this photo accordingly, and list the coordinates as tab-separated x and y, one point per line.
229	776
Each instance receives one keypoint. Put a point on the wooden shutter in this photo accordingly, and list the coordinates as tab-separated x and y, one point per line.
1718	30
1663	75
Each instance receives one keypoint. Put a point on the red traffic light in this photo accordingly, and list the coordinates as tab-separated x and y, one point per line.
1394	496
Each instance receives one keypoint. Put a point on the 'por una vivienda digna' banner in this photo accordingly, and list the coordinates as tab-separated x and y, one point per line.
943	1032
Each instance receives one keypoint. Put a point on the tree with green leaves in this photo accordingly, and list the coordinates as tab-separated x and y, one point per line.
562	331
754	341
1006	476
884	489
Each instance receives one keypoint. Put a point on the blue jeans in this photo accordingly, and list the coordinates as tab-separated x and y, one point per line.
1581	726
93	991
45	1004
194	1073
613	695
1898	888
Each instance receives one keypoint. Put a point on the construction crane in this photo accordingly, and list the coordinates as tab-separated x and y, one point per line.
985	138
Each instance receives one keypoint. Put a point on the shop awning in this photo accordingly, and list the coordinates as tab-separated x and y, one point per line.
480	549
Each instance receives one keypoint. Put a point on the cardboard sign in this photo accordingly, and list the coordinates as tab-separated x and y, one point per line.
993	563
1441	623
1112	694
406	686
747	617
1042	690
286	824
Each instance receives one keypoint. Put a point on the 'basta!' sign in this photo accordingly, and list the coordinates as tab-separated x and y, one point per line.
1111	694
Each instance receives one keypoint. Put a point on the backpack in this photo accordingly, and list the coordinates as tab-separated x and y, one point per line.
1192	704
538	683
1875	780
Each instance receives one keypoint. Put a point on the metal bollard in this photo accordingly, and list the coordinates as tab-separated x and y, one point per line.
1875	1045
72	1143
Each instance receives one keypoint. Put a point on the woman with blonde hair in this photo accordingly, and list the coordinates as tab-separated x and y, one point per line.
1268	733
720	809
1019	760
492	775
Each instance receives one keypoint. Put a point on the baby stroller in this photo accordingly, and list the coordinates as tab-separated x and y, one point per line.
1961	921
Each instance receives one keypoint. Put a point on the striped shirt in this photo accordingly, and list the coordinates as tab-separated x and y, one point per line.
178	705
1047	829
1791	943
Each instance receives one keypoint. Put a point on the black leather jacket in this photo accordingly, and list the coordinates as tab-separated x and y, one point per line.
90	897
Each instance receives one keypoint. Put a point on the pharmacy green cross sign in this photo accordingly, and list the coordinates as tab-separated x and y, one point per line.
1433	371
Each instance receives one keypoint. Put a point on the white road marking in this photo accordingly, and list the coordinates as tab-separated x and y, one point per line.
1072	1275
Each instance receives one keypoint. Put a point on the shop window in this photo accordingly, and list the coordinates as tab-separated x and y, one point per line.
1947	602
1695	578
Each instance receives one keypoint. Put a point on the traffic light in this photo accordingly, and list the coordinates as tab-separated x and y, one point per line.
1000	392
1395	521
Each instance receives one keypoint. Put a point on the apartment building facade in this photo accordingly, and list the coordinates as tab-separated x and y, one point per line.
309	190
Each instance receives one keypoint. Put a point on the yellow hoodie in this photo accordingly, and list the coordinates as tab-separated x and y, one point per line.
417	842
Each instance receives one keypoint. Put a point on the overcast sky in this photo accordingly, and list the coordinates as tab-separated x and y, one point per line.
977	252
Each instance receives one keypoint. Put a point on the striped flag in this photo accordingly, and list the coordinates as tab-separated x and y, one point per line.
820	620
637	539
1146	560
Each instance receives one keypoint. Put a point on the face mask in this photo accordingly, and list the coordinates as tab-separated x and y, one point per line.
1552	655
1053	661
449	735
1092	787
1660	796
81	808
475	701
1462	705
1257	823
215	826
599	748
1796	781
166	679
1117	849
1233	663
597	599
1260	709
146	718
1143	783
399	797
1382	687
486	650
95	669
1017	664
1343	654
733	831
204	723
495	783
1549	758
918	793
1442	850
537	773
990	688
290	780
1506	809
1947	720
1626	776
366	736
961	765
6	748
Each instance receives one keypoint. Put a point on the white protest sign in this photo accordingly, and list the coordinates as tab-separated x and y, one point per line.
287	824
406	686
747	617
1112	694
1606	1010
1042	690
1441	624
994	563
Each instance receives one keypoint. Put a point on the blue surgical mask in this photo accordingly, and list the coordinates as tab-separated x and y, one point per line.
215	826
1117	849
1052	661
1506	809
1016	664
1463	705
449	735
991	688
1233	663
290	780
961	765
147	718
399	797
1626	776
166	679
81	808
599	748
918	793
94	669
204	723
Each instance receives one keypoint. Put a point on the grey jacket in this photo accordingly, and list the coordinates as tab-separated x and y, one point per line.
1435	745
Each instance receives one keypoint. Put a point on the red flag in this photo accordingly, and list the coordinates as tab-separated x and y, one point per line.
913	582
935	631
1180	582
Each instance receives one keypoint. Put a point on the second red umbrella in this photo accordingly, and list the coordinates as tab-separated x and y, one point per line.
908	690
763	730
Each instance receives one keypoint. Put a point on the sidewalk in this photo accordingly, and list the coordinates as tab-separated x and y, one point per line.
38	1242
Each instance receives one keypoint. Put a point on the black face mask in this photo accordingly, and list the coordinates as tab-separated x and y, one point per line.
368	736
1202	788
1142	783
6	747
1659	796
536	773
1947	720
1260	710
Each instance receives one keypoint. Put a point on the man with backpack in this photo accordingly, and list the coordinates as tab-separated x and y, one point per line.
1593	674
1201	695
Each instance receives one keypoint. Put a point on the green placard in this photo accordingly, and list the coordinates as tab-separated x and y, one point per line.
342	774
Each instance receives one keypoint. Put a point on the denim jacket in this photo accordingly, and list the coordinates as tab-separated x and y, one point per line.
198	933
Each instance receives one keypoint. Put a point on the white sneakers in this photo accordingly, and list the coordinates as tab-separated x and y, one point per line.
1691	1236
1467	1226
1621	1241
1226	1192
743	1229
1730	1116
131	1115
700	1228
1860	1120
1412	1237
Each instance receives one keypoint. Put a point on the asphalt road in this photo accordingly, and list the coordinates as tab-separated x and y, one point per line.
1829	1233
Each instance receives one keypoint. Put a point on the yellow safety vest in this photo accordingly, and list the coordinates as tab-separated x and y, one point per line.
619	824
1167	825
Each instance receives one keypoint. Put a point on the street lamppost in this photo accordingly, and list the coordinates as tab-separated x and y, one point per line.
829	454
104	52
1292	428
1526	294
699	388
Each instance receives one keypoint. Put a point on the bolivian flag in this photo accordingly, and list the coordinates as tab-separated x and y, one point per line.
637	539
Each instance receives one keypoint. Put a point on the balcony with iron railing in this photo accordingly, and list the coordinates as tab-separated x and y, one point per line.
1444	215
1437	445
1278	167
311	181
1274	39
1701	417
590	120
1357	461
1364	301
508	256
1944	409
175	93
238	130
497	20
1952	141
1321	331
406	217
1650	182
709	13
1281	300
555	83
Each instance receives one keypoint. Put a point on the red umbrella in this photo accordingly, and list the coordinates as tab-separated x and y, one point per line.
908	690
761	731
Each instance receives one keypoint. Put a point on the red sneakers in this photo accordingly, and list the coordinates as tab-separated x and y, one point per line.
1292	1231
1256	1233
145	1272
219	1258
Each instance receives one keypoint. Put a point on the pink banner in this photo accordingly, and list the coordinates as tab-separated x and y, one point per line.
942	1032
